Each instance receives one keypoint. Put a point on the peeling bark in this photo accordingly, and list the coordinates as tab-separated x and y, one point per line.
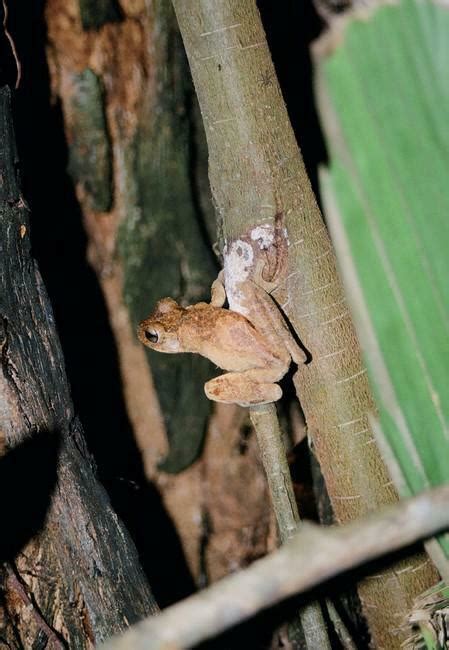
72	577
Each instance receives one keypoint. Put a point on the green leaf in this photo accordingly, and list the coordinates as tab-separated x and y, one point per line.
384	100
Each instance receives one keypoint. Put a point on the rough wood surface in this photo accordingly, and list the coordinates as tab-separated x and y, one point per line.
267	211
71	574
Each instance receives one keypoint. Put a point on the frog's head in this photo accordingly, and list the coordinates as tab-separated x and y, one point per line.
160	330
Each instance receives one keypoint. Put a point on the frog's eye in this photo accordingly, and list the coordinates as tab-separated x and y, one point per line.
152	336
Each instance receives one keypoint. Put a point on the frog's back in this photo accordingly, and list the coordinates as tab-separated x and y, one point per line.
227	338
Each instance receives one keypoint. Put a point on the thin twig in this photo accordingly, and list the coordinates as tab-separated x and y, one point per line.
341	630
272	450
12	44
309	558
269	436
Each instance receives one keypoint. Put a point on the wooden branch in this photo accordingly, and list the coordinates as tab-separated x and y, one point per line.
314	555
243	187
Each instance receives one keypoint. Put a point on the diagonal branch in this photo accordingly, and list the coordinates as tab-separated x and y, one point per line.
306	560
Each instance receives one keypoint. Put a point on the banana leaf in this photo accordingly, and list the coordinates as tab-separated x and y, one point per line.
383	95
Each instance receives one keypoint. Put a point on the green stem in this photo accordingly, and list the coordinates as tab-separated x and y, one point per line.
269	436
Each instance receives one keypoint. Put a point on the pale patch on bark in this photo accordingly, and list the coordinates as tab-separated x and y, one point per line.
238	262
263	235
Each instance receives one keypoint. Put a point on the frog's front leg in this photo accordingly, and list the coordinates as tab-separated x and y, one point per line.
247	388
218	292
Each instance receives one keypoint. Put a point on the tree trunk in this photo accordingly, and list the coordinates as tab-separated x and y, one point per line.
267	211
71	575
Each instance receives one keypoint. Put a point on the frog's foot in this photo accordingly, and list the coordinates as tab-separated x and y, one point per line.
258	279
237	388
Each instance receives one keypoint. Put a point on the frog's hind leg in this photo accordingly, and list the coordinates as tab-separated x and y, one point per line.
268	319
238	388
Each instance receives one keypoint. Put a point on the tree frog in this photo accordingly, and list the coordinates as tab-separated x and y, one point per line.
256	351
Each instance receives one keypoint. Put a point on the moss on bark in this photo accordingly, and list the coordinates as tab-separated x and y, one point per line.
162	243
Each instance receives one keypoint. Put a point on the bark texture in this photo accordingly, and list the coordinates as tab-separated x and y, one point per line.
126	101
267	211
71	575
127	104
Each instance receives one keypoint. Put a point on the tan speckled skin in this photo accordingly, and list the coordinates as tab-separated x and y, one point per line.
229	340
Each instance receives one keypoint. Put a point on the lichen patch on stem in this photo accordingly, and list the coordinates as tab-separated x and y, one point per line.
263	235
238	263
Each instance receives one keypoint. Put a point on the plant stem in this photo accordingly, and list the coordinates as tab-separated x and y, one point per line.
272	450
267	212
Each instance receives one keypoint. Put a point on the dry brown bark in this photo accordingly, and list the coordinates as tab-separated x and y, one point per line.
258	179
71	576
